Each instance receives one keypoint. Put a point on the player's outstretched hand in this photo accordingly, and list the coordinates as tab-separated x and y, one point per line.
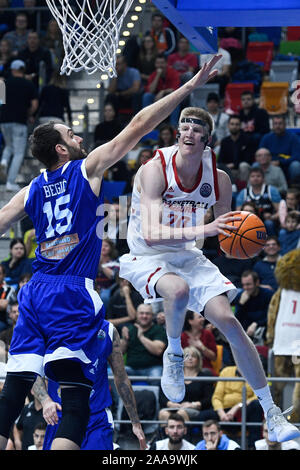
138	431
220	224
50	408
207	72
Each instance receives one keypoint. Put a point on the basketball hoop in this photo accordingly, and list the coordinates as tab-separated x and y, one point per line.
91	32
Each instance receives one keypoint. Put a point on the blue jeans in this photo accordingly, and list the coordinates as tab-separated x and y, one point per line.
294	171
148	98
15	138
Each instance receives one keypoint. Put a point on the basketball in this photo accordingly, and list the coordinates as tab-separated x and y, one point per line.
248	240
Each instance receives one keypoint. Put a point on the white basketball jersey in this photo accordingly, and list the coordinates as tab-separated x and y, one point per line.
182	207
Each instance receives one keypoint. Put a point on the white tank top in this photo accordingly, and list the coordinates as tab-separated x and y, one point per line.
181	206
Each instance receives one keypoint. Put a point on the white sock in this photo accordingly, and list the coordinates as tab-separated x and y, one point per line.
265	398
174	345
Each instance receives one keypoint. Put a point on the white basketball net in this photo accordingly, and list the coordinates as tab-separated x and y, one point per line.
91	32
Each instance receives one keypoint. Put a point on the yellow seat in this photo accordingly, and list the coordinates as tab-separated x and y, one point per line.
274	97
217	364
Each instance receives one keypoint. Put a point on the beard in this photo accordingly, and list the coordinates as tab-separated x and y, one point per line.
76	153
175	440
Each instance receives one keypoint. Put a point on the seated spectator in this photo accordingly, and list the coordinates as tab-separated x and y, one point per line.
290	239
223	66
161	83
290	203
32	15
109	128
250	206
227	403
30	243
143	156
254	120
6	335
184	61
18	37
266	198
22	281
175	430
7	295
38	436
214	438
273	174
251	307
146	58
236	150
144	344
122	304
118	222
265	444
33	55
54	101
6	58
163	36
265	267
198	395
7	18
107	271
17	263
210	246
124	90
232	268
194	334
166	137
53	41
220	119
284	146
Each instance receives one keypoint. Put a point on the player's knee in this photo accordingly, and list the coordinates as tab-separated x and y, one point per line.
179	292
75	414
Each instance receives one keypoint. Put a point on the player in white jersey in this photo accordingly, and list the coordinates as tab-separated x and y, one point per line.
171	193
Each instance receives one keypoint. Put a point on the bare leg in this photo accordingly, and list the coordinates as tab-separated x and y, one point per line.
218	312
64	444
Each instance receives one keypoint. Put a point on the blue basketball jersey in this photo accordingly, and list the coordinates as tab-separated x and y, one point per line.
67	216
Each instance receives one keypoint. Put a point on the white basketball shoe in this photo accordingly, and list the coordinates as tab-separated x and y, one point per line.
172	380
279	429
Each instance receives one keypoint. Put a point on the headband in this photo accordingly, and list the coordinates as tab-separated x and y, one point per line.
194	121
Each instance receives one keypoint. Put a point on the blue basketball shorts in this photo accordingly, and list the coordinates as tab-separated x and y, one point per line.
99	434
59	318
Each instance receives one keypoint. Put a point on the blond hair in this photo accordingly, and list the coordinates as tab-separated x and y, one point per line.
198	113
194	352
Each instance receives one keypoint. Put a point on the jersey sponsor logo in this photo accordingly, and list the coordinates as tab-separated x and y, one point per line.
60	247
189	206
205	190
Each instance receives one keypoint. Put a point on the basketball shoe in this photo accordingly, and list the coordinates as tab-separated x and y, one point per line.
279	429
172	380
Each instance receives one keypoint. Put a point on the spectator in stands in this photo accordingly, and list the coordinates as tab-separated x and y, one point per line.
166	137
175	430
227	403
54	43
284	146
194	334
21	104
6	58
30	243
144	343
38	436
254	120
290	203
54	101
7	295
265	267
107	271
13	314
223	67
32	15
250	206
143	156
214	438
163	36
273	174
220	119
266	198
117	225
17	263
265	444
146	58
35	56
7	18
232	268
197	399
124	90
184	61
236	150
161	83
122	304
109	128
18	37
290	239
251	306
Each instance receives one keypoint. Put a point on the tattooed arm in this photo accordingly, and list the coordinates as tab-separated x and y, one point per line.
124	388
49	406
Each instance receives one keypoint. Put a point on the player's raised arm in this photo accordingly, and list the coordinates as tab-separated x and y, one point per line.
145	121
12	211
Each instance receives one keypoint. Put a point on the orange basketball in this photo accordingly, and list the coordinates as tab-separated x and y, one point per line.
248	240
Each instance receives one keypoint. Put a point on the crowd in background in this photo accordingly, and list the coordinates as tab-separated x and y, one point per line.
259	152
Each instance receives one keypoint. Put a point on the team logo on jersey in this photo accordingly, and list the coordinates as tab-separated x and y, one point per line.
101	334
170	189
205	190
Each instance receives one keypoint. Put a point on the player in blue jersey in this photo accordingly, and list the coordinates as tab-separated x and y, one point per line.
60	313
99	434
